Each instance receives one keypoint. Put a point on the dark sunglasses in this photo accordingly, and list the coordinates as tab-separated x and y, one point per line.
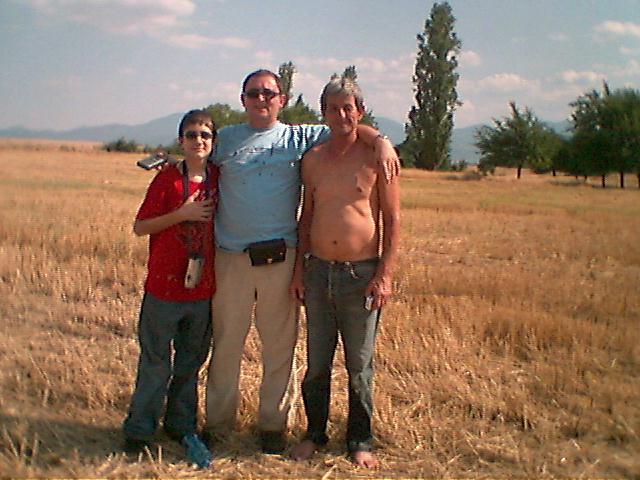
265	92
191	135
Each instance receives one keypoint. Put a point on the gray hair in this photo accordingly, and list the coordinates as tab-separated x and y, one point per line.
345	86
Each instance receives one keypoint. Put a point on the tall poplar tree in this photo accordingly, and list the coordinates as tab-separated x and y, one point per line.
298	113
286	71
431	118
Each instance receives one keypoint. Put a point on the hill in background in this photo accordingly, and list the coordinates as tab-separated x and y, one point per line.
163	131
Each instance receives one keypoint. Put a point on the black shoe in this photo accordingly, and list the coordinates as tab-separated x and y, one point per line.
273	443
174	434
133	446
210	438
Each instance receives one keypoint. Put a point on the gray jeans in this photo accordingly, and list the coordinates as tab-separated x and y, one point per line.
187	327
334	301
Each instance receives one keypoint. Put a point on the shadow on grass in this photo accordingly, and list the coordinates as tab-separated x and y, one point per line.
569	183
466	176
596	185
52	442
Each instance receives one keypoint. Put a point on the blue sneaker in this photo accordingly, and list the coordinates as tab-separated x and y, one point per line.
197	451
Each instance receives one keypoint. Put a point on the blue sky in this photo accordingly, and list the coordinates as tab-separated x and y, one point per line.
73	63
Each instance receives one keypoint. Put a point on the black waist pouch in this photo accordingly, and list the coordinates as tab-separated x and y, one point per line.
267	252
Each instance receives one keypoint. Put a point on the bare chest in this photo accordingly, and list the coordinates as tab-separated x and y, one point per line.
348	180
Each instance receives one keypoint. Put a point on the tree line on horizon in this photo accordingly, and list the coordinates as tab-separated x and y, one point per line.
604	137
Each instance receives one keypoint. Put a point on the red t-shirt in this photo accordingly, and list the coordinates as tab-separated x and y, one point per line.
169	249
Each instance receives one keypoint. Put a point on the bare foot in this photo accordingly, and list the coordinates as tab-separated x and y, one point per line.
365	459
304	450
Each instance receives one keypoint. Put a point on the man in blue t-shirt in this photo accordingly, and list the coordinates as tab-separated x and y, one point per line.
259	192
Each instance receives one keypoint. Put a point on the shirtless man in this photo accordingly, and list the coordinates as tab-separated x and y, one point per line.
339	272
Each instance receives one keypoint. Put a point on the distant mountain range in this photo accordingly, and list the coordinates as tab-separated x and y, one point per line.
162	131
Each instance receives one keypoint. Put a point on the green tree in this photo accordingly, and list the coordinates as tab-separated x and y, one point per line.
595	149
620	118
121	145
431	118
224	115
589	142
518	141
298	114
408	152
286	71
607	131
566	160
549	144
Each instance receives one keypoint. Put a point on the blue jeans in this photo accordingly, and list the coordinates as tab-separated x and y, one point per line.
334	301
186	325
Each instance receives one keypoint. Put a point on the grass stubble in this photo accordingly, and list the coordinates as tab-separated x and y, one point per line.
511	348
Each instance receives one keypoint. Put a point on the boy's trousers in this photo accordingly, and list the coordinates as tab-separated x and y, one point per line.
186	325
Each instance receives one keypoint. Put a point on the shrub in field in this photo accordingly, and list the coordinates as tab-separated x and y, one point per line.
122	145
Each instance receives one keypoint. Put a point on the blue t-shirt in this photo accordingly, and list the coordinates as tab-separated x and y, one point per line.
259	183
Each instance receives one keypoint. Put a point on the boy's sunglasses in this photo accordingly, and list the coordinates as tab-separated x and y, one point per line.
256	92
191	135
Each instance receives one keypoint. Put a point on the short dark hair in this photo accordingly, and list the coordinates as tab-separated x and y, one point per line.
196	117
260	72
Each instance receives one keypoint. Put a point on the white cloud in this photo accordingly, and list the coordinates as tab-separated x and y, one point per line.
195	96
263	55
127	71
619	28
631	69
469	58
70	81
386	83
629	52
119	16
196	41
163	20
572	76
506	82
558	37
370	64
189	40
370	69
321	63
467	114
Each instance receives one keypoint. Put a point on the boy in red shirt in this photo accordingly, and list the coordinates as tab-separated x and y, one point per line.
177	214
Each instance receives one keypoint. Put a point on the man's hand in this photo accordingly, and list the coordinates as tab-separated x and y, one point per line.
387	157
196	211
296	289
380	288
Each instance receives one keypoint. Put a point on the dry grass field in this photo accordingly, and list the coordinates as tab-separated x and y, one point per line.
512	348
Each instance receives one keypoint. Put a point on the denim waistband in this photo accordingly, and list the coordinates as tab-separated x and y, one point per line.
337	263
